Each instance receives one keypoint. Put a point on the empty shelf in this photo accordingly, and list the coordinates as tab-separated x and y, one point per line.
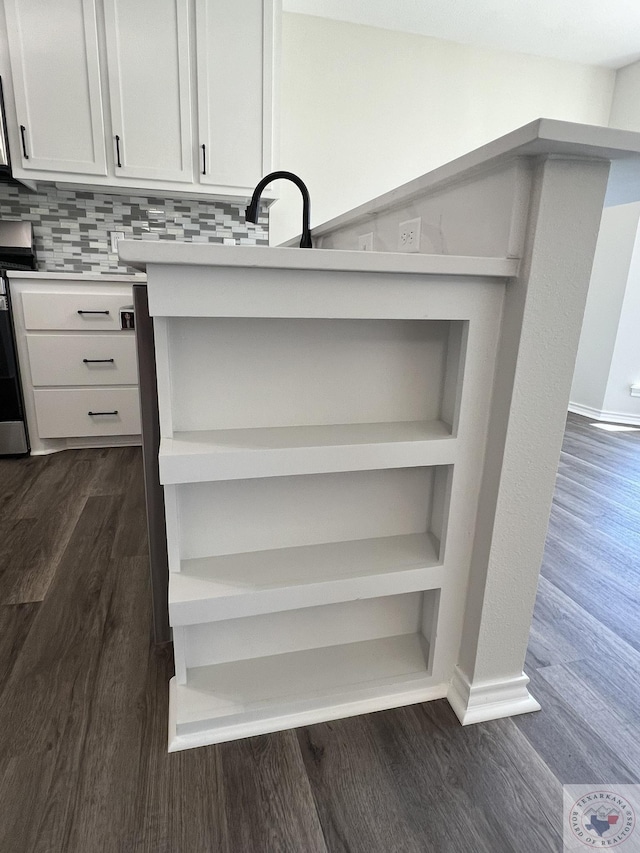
225	587
190	457
248	697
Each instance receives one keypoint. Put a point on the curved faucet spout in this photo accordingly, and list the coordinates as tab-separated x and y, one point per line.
252	210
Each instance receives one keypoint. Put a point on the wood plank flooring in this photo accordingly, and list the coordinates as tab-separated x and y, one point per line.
83	692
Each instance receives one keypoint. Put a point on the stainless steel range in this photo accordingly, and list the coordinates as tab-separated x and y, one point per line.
16	253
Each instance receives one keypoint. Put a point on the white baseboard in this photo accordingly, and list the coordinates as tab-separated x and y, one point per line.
603	415
45	446
489	700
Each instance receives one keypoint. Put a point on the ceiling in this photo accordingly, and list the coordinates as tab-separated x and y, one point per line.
595	32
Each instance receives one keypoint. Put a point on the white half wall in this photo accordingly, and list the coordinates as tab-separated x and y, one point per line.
625	107
365	109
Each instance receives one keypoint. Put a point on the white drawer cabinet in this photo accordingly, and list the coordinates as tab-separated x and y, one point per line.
78	366
80	310
68	412
91	359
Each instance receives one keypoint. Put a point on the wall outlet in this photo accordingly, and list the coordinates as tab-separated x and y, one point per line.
409	235
116	236
635	390
365	242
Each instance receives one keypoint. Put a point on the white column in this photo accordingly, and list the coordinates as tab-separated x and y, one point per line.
540	332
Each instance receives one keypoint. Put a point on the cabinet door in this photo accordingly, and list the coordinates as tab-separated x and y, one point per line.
149	88
56	78
234	49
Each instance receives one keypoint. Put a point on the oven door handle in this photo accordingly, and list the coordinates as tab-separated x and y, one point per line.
8	365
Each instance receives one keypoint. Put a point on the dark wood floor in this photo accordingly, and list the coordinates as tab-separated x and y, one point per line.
83	696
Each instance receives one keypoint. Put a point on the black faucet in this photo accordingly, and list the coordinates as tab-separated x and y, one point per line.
252	211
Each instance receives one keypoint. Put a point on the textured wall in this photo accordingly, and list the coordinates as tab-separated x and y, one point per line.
72	228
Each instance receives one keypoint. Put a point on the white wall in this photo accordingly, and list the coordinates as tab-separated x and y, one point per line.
608	360
625	108
625	363
604	305
364	109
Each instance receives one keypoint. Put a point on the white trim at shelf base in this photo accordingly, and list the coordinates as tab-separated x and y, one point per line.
489	700
308	717
604	415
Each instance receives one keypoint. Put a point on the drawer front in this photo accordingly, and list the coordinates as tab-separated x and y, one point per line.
64	412
83	359
85	311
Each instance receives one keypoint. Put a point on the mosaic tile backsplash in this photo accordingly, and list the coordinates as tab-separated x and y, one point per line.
72	228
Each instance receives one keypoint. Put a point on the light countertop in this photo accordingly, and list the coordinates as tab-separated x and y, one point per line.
44	275
140	253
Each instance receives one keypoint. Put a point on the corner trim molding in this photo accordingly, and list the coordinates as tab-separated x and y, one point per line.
604	415
489	700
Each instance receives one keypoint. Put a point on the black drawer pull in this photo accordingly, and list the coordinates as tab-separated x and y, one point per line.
114	412
23	130
118	161
204	158
92	312
97	361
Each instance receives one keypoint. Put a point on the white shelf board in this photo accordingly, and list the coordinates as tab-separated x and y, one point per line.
236	585
249	697
231	454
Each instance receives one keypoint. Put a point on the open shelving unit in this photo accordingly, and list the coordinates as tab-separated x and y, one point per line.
320	482
358	449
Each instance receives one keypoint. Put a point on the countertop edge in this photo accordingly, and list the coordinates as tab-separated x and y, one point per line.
57	275
141	253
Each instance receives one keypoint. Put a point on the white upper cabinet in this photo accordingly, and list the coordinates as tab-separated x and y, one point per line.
56	77
148	65
234	45
147	95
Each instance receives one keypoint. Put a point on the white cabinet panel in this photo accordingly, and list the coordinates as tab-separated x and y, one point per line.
149	87
56	75
78	311
92	359
70	412
232	89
